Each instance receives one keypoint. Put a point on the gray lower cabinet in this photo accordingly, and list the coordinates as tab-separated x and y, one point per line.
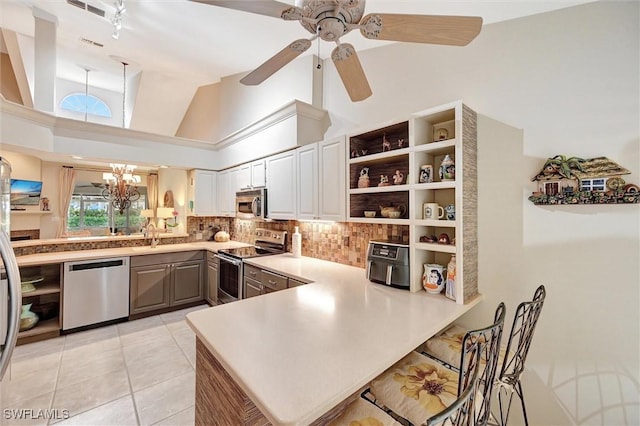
149	288
211	289
273	282
160	281
187	282
295	283
252	288
261	281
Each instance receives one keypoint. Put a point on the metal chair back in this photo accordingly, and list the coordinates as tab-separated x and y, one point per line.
508	382
524	324
462	411
488	340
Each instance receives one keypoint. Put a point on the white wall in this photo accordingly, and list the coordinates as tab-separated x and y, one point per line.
160	103
243	105
569	80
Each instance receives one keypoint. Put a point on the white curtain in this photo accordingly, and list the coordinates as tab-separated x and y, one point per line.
152	194
67	185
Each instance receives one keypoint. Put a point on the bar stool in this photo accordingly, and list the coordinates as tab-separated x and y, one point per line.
363	412
461	411
509	379
445	348
417	387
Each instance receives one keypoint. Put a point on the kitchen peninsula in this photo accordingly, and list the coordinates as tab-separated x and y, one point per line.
294	357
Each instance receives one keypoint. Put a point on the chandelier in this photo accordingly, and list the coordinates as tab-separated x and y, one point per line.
121	188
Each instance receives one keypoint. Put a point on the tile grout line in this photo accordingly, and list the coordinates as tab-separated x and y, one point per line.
58	379
55	385
126	367
185	355
178	343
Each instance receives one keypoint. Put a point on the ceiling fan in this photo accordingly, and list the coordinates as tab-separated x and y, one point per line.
331	19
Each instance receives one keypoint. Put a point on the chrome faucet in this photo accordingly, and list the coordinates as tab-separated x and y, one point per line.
152	232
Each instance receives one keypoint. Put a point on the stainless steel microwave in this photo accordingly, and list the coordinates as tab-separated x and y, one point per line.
251	204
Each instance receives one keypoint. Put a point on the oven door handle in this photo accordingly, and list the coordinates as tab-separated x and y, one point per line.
235	262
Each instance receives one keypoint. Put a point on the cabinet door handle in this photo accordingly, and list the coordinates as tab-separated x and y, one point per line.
253	273
272	282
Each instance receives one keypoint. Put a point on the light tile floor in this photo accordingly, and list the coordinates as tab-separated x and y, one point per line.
134	373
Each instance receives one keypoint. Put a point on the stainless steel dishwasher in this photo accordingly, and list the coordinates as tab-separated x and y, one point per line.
95	291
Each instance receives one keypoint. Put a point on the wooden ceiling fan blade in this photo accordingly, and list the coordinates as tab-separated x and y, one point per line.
275	9
351	73
276	62
435	29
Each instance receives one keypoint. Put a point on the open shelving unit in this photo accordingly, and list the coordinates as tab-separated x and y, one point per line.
47	294
427	137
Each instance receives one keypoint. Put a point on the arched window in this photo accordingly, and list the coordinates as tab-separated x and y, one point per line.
79	102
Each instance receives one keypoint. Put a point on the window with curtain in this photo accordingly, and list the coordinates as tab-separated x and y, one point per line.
90	211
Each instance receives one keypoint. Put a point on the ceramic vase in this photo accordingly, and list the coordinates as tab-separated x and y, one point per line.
447	169
28	319
433	278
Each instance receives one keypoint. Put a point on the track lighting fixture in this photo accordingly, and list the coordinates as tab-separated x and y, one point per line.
117	18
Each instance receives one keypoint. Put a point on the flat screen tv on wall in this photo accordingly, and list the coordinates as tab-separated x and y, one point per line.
25	192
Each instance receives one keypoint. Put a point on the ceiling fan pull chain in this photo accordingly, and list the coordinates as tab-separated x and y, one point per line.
319	65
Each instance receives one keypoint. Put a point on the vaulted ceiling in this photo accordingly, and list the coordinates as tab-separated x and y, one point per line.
200	43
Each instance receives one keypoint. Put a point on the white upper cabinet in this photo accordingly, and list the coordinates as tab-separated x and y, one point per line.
258	174
322	181
282	185
243	177
250	175
332	186
203	192
234	182
308	182
226	195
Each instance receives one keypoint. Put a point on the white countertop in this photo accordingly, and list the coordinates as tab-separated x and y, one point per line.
71	256
299	352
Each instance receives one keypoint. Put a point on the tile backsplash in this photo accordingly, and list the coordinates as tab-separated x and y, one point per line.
342	242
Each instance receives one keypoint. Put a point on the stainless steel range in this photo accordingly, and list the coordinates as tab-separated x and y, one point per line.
230	269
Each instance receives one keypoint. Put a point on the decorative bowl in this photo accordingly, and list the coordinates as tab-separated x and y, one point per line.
394	214
370	213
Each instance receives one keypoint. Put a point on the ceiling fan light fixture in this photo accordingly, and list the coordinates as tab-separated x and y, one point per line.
331	19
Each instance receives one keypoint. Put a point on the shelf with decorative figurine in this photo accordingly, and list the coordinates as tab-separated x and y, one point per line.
380	142
426	162
444	197
391	172
379	175
576	180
